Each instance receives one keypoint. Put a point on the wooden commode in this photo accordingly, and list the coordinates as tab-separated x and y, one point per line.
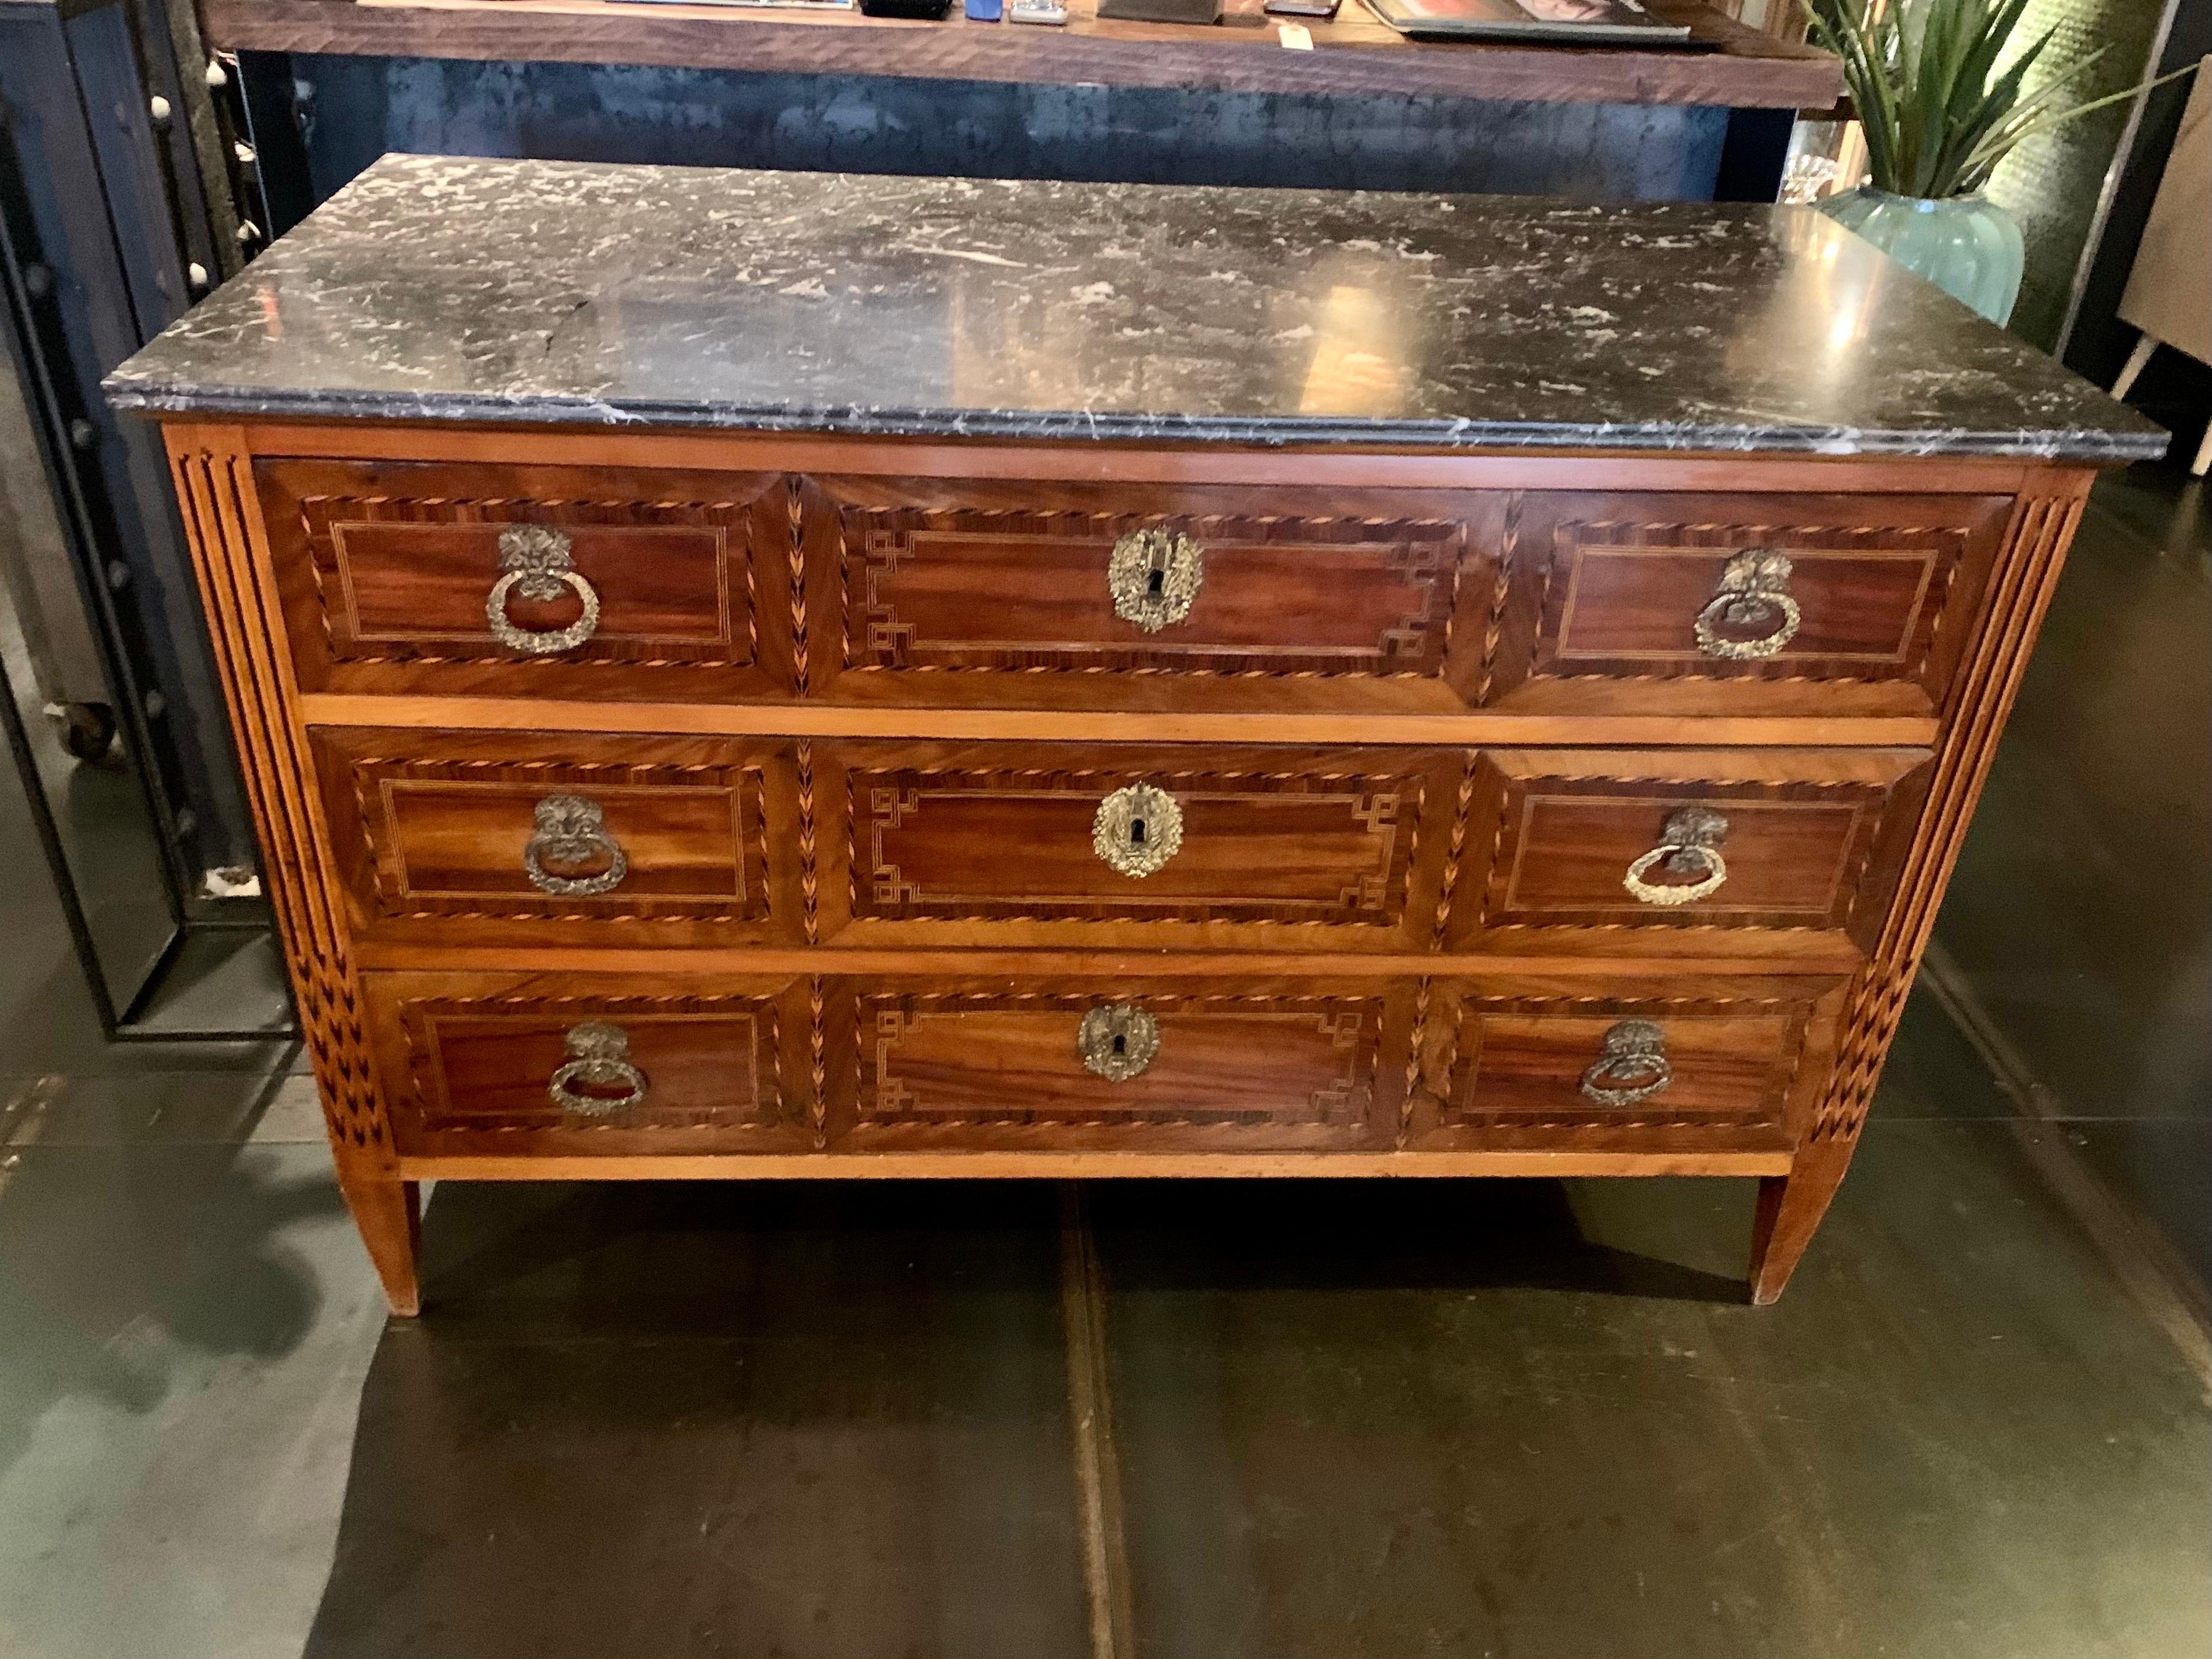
772	675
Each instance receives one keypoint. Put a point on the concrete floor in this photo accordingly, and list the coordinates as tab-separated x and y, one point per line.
2078	928
952	1422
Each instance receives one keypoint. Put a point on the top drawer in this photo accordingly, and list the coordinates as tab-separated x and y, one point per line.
531	581
1707	604
1142	596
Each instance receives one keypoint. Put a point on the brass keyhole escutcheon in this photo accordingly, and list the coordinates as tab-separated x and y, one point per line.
1153	577
1116	1041
1137	829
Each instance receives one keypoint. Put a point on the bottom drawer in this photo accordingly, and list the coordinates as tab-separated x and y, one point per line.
562	1064
476	1063
1151	1065
1643	1067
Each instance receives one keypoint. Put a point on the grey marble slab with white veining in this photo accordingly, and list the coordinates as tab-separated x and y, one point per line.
438	289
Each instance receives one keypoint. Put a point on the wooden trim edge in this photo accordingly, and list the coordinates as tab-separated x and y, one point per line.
1083	1165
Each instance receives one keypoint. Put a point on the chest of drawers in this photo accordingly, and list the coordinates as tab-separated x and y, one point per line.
823	802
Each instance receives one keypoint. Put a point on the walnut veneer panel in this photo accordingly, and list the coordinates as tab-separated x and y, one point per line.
1518	1065
720	1066
435	833
998	845
984	592
994	1065
1598	598
1801	841
387	568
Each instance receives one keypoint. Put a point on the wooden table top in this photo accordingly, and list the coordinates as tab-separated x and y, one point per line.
1740	68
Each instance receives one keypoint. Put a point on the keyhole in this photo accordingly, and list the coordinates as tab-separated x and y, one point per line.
1120	1044
1156	582
1136	832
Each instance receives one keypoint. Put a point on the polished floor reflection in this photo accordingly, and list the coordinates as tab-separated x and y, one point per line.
2079	924
1147	1421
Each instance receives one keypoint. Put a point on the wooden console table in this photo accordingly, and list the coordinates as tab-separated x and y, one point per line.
1355	54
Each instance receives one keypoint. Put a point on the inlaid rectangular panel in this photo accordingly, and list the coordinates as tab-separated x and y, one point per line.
573	1063
1141	595
1625	1064
1736	605
456	837
1172	1066
519	581
1067	844
1683	851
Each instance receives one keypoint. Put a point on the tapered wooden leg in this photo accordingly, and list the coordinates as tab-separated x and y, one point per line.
1790	1211
389	1213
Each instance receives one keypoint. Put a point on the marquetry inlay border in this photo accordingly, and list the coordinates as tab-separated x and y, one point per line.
1352	1025
873	542
1387	808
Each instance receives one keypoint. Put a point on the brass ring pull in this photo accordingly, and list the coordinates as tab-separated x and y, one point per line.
1154	576
598	1057
1688	846
1753	593
1117	1040
571	829
539	566
1137	829
1631	1065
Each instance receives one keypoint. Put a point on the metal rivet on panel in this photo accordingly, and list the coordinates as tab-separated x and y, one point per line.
158	107
38	279
156	704
196	274
118	575
83	433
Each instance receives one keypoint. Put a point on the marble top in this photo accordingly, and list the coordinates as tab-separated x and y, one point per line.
438	289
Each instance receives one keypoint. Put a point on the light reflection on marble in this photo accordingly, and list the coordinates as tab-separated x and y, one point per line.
453	288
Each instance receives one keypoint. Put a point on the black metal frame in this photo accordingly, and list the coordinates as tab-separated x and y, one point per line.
107	217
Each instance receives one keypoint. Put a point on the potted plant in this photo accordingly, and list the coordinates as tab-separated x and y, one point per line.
1939	114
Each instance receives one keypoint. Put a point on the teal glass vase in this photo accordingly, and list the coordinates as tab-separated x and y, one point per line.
1967	246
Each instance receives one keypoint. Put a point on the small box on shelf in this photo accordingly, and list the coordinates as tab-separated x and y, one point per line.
1161	11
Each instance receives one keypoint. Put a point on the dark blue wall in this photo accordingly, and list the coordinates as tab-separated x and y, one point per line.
356	108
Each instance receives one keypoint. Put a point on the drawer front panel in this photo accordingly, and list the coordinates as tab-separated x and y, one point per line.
462	838
1786	604
1196	1066
1007	593
532	582
1044	844
1644	1066
575	1063
1623	851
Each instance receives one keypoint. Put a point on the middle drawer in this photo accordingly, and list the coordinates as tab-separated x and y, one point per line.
1135	845
451	838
